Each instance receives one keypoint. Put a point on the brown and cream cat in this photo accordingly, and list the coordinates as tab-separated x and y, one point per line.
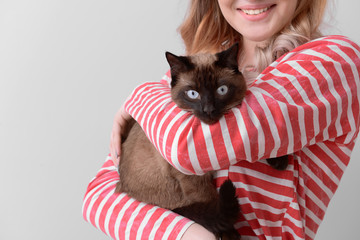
207	85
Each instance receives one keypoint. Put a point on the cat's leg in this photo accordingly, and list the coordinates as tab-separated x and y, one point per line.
218	214
279	163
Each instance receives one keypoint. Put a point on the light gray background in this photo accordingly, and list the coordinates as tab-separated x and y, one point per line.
66	66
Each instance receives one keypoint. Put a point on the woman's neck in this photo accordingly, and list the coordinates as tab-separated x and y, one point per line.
248	59
247	56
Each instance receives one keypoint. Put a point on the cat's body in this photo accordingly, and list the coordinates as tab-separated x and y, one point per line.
207	85
153	180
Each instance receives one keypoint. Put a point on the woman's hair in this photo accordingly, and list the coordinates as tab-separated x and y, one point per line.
206	30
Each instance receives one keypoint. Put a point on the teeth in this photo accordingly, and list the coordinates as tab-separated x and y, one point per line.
254	11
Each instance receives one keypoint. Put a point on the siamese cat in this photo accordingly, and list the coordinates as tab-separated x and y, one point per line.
208	85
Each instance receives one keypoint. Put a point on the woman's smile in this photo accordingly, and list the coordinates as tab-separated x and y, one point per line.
255	13
258	20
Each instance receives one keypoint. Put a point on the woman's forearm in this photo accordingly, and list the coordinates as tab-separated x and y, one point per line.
122	217
305	98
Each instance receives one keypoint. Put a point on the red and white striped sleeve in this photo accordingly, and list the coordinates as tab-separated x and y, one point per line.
122	217
308	96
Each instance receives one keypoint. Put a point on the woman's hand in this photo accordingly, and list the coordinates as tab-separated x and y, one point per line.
197	232
120	121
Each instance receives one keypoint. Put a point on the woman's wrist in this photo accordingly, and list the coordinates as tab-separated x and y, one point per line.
197	232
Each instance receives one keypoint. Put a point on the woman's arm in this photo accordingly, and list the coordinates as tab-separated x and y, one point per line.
122	217
308	96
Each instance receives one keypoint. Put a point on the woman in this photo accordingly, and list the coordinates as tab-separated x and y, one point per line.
304	104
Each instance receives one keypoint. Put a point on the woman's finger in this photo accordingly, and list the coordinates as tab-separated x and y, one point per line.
115	144
120	122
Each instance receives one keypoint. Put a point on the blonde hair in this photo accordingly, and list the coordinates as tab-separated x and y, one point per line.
206	30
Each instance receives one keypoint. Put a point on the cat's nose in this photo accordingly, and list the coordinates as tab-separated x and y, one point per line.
209	109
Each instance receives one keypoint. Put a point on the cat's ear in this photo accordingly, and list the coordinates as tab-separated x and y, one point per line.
229	57
178	64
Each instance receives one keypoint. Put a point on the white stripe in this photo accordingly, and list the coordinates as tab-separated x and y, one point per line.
110	212
310	233
336	95
174	147
168	128
260	175
241	224
299	223
132	218
301	184
287	56
146	96
339	70
264	223
166	134
286	228
150	128
101	206
157	225
167	79
227	141
332	155
144	222
259	190
252	216
243	131
210	146
107	169
192	154
285	113
321	185
93	190
160	125
120	216
284	106
132	103
345	150
261	206
171	226
320	163
261	136
102	187
270	119
344	44
276	63
222	173
301	111
146	105
317	201
315	86
183	230
303	94
356	80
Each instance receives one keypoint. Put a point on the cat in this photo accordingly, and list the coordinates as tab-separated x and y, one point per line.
208	85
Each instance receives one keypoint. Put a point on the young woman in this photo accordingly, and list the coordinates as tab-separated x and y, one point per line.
304	102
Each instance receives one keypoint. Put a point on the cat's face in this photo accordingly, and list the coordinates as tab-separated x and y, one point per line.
207	84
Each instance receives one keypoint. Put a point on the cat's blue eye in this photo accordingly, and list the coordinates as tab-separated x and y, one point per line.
192	94
222	90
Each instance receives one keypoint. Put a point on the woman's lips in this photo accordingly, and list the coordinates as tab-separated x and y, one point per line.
255	13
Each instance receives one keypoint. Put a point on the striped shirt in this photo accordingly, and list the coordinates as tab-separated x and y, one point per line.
305	104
